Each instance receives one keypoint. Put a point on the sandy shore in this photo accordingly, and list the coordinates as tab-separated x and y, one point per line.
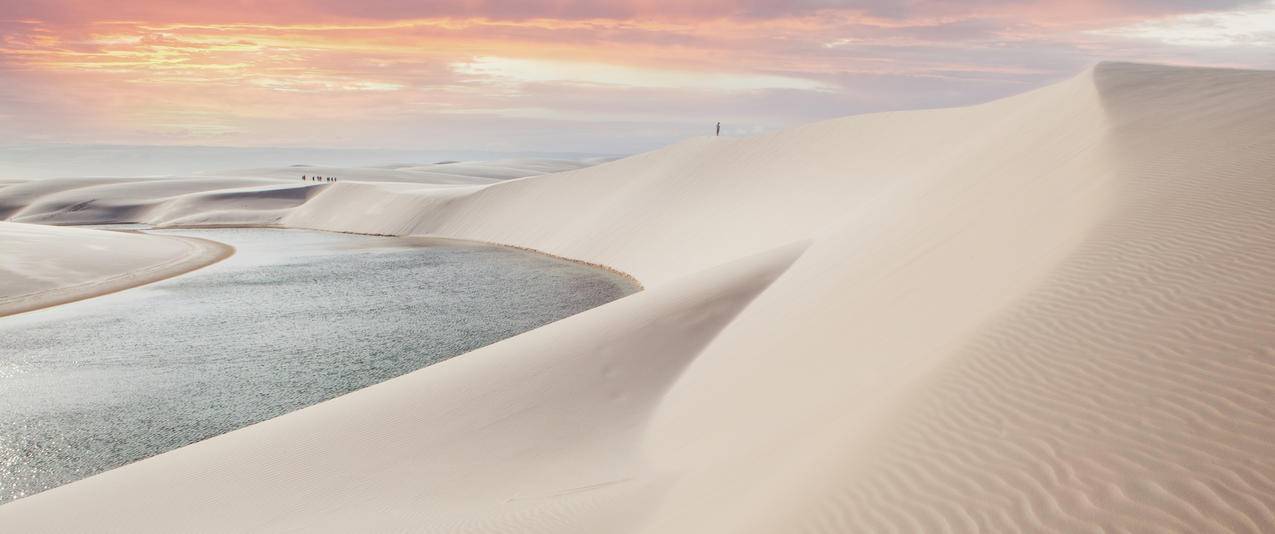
44	266
1051	312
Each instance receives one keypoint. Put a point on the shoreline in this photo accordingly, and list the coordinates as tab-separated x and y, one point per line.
202	253
632	279
206	252
165	328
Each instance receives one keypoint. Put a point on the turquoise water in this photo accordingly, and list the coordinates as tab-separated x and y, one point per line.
292	319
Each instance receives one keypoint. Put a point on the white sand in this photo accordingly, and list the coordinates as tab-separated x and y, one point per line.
1047	313
44	265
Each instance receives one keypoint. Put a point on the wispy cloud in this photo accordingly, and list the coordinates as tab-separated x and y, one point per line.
555	74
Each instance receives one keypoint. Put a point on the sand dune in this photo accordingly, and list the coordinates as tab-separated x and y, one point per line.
1050	312
43	265
444	173
245	197
42	161
93	201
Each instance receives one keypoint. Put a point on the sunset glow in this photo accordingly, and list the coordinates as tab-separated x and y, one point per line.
548	75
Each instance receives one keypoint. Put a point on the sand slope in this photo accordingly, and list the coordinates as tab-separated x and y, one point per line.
1046	313
44	265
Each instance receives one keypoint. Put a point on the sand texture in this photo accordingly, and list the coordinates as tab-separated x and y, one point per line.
1050	313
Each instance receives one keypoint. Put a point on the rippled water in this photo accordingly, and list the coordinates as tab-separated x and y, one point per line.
293	318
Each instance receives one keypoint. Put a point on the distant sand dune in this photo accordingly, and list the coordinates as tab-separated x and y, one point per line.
252	196
1053	312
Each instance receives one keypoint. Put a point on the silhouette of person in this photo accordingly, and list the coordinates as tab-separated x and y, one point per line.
719	129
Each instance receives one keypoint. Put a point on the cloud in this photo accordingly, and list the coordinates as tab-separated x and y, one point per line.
1252	27
601	74
310	11
390	73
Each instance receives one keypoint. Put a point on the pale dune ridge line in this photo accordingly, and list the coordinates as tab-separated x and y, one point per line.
1046	313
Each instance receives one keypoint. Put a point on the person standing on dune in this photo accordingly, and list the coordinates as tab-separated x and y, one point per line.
719	129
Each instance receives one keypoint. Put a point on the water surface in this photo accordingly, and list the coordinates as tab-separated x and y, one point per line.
292	319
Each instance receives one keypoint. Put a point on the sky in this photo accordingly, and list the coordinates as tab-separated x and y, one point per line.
557	75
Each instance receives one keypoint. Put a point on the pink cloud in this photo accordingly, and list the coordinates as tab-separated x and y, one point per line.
255	72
